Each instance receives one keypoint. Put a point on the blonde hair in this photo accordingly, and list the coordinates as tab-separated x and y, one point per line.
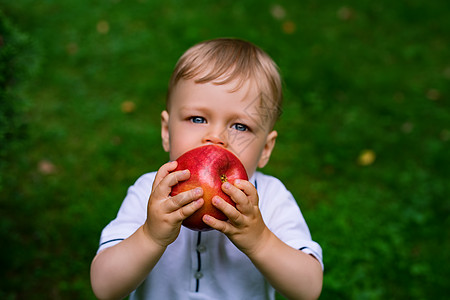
224	60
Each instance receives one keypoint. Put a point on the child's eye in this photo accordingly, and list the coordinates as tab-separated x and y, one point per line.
197	120
240	127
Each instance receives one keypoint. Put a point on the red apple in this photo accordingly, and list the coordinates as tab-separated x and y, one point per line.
210	167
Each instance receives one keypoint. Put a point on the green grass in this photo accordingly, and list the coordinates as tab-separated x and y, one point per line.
361	76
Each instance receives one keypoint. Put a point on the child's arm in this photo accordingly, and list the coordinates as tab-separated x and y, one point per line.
293	273
118	270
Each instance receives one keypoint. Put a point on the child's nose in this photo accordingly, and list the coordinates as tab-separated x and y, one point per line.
215	137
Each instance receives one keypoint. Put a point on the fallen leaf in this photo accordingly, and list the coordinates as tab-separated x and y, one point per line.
366	157
445	135
345	13
128	107
278	12
433	94
46	167
72	48
446	72
116	140
289	27
407	127
103	27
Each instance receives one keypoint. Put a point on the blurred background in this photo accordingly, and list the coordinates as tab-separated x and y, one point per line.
363	140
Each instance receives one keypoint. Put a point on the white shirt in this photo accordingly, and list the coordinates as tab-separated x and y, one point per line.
206	265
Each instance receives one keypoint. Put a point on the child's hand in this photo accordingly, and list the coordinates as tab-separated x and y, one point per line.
245	226
165	213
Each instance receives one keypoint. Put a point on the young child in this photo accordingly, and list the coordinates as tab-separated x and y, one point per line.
225	92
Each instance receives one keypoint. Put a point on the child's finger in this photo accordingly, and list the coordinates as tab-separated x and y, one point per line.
228	210
176	202
244	203
176	177
216	224
235	193
163	172
188	210
249	189
164	187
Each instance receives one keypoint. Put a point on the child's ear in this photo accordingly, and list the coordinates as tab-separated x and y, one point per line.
165	130
268	147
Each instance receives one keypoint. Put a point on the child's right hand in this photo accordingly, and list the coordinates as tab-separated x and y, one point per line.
165	213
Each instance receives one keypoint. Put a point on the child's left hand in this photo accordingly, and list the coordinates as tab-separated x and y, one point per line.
245	226
293	273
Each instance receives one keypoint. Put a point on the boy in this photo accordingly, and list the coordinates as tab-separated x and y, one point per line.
225	92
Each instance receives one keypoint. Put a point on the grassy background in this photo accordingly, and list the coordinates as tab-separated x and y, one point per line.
363	140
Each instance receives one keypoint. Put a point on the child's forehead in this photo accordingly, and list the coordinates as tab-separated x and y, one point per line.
231	77
245	90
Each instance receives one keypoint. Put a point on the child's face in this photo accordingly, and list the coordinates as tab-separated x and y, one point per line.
200	114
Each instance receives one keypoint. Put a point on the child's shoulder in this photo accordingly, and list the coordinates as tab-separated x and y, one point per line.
144	183
268	183
146	178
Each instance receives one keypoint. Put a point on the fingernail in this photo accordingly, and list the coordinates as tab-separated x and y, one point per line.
227	185
216	200
237	181
198	191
